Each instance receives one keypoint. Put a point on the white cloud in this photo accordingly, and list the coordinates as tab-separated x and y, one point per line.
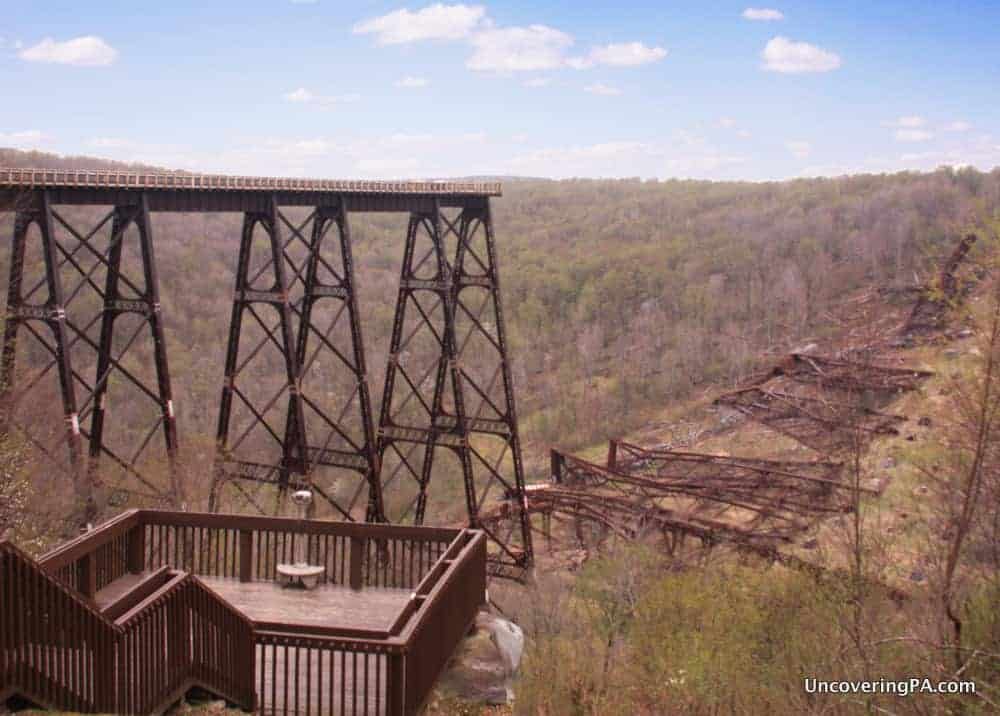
539	47
727	122
434	22
799	149
300	95
626	54
744	133
602	89
412	82
514	49
87	51
25	139
908	122
535	82
501	49
913	135
787	56
305	96
762	13
958	127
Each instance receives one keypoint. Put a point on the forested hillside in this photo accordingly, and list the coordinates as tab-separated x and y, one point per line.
621	296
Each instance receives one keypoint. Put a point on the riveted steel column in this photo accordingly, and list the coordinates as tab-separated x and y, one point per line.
293	448
53	314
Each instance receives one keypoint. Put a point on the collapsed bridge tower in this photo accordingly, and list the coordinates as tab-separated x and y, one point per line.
448	386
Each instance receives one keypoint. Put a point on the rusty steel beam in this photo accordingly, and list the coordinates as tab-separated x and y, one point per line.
771	495
199	192
928	314
73	252
312	438
681	465
448	384
883	383
825	425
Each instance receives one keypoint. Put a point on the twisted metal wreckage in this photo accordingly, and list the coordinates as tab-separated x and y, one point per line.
755	505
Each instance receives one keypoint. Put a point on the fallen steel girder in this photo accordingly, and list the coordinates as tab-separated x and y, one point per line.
625	519
826	426
676	464
628	518
317	422
930	310
768	495
874	383
73	313
448	386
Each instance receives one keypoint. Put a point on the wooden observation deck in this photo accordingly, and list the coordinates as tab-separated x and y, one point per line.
130	616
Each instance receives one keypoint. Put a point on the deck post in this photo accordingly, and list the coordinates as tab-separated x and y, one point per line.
397	685
179	638
137	549
357	560
246	555
86	576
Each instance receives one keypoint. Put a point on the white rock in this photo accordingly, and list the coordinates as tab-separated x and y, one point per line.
485	663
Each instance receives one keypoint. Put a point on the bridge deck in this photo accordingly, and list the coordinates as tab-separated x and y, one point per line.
218	192
333	606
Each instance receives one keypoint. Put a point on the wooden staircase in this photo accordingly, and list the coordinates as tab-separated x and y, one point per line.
138	655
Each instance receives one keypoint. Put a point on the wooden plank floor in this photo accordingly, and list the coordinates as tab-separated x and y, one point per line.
328	605
293	680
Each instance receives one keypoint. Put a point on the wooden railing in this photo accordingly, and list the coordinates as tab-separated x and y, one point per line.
59	650
446	603
250	548
287	666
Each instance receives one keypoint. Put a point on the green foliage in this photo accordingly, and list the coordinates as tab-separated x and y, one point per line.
14	485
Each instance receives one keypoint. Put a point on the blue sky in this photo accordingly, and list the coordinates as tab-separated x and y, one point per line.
713	90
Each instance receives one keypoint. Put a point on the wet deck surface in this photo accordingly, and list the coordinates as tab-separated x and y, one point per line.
372	608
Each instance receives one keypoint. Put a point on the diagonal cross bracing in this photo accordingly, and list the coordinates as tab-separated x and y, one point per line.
448	388
314	428
102	289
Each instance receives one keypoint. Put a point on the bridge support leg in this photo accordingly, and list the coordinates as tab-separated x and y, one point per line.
146	303
327	417
76	251
51	313
248	296
449	323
